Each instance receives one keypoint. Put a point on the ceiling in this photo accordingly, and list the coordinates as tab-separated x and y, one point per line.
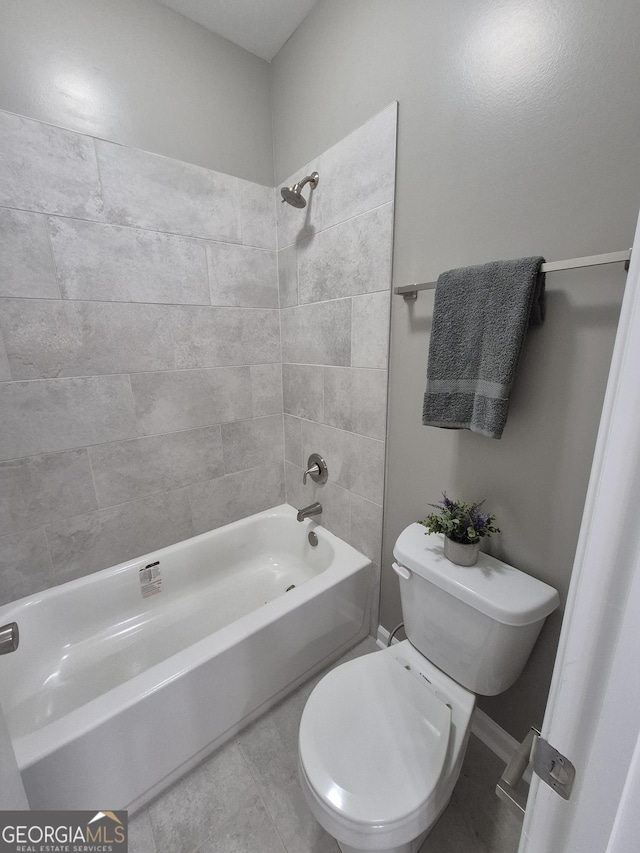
259	26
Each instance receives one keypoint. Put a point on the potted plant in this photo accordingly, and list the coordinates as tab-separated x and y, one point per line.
463	525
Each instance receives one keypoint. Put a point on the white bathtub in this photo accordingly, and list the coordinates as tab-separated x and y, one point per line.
111	695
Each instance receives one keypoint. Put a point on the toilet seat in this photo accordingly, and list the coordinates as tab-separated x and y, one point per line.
374	700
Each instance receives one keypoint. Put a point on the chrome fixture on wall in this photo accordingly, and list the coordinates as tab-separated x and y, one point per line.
9	638
308	511
316	469
293	195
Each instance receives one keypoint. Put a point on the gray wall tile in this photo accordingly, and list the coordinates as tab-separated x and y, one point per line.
352	257
42	489
258	215
5	372
155	192
367	280
370	330
25	565
365	163
340	251
152	447
293	440
26	265
88	543
296	224
185	399
266	389
47	339
288	276
248	444
318	333
241	275
47	169
235	496
60	414
107	263
303	391
366	463
127	470
366	527
217	337
355	400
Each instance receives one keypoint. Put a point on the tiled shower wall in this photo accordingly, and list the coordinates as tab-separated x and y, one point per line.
334	263
141	368
140	361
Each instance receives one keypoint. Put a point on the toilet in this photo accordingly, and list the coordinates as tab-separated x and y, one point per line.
382	737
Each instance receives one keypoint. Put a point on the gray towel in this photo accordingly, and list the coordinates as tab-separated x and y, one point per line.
480	318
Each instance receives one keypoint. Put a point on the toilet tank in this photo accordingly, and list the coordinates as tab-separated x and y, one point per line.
476	623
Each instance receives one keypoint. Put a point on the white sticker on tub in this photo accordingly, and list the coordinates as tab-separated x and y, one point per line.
150	579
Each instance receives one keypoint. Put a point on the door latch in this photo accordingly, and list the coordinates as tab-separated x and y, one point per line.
550	765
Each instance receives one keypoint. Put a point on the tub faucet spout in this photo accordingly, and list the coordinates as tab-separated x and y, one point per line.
312	509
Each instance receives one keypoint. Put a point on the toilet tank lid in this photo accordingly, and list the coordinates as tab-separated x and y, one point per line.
494	588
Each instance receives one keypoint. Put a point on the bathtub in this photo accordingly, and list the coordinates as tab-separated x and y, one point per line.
127	678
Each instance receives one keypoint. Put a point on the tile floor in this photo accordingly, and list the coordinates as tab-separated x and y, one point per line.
246	799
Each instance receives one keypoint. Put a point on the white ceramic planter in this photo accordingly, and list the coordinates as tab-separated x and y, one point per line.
460	553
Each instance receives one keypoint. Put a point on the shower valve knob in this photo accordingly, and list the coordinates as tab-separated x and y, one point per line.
316	469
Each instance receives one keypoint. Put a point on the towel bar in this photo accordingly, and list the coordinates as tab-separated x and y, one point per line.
410	291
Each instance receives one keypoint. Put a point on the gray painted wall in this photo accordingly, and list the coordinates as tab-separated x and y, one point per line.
137	73
517	135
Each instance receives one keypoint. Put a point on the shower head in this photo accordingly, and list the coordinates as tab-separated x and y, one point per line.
293	195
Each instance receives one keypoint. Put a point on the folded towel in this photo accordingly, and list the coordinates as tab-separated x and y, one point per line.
480	318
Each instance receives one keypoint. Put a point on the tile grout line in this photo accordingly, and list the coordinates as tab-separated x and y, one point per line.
128	227
259	793
137	437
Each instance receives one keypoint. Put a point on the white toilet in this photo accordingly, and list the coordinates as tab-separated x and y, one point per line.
382	737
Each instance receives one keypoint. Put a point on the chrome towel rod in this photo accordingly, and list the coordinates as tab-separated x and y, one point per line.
410	291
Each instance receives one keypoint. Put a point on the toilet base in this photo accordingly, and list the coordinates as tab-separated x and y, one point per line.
410	847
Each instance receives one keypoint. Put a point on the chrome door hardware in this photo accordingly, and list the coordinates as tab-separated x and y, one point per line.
316	469
550	765
9	638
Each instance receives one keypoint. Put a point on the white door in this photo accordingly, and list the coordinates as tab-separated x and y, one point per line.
593	712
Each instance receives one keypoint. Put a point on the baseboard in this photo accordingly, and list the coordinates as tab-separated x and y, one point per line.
493	736
382	637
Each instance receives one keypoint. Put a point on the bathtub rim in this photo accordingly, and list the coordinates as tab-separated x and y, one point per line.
34	746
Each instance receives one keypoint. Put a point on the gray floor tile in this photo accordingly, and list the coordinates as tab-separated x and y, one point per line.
253	832
270	747
140	835
476	821
203	802
246	798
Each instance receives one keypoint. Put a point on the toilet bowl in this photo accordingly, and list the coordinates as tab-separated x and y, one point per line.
382	738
